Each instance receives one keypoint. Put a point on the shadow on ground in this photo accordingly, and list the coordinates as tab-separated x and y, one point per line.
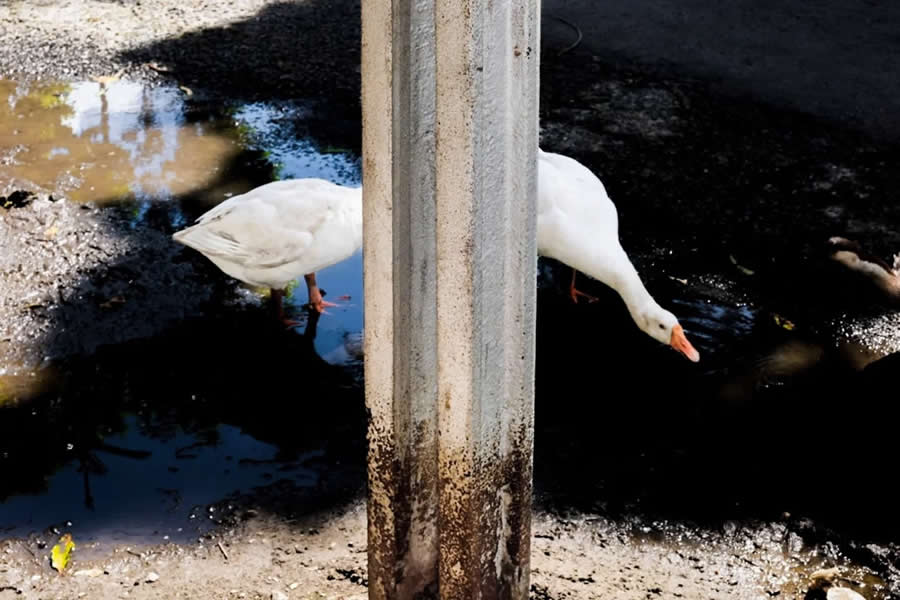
772	422
290	50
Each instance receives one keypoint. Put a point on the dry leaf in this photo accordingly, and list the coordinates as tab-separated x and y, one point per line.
741	268
62	552
782	322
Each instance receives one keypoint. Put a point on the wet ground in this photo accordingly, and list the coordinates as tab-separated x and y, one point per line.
147	399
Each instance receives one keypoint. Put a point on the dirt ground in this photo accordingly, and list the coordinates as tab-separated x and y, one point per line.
262	556
664	141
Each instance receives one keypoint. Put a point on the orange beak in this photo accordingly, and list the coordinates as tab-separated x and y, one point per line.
681	343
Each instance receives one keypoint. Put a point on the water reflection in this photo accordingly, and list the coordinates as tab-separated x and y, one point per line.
111	142
134	442
169	480
124	140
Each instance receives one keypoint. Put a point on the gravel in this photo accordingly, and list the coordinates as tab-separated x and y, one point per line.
77	277
252	48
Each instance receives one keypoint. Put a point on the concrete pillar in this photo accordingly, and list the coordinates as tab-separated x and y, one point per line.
450	134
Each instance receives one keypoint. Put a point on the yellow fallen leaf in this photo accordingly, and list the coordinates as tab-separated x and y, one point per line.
741	268
782	322
62	552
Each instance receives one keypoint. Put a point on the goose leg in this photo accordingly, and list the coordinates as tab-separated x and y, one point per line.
277	299
574	293
315	295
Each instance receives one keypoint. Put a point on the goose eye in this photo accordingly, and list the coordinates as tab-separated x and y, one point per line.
661	326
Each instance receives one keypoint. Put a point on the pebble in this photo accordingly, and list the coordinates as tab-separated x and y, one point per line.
151	577
276	595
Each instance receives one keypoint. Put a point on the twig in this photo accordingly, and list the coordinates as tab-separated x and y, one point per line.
222	550
573	26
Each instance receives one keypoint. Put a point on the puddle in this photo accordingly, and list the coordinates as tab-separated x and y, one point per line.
82	444
108	143
135	442
125	141
168	481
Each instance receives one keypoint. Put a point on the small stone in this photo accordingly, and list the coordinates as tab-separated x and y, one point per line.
276	595
88	573
294	585
151	577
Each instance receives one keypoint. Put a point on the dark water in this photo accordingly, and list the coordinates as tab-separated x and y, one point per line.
140	440
776	418
168	481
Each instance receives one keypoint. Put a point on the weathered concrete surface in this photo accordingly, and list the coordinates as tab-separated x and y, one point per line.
834	59
486	145
451	255
383	464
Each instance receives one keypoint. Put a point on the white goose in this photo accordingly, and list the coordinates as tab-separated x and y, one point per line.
578	225
279	231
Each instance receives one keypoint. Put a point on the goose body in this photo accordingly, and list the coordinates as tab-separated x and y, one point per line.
275	233
279	231
578	224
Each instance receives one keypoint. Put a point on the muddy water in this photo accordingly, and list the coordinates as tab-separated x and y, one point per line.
110	142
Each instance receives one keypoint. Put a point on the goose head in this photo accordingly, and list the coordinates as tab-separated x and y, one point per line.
664	327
